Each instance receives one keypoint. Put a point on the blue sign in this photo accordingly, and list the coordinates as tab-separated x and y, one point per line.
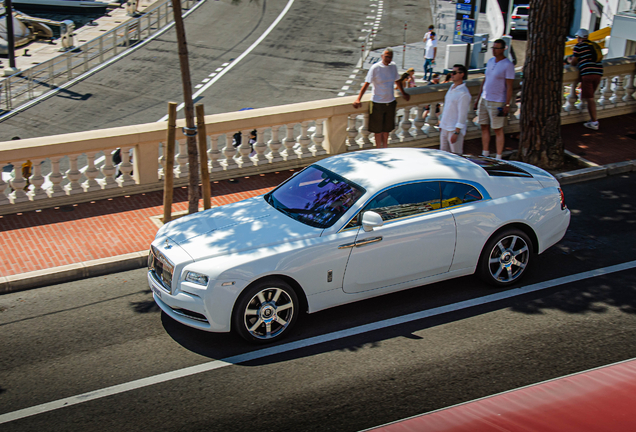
468	30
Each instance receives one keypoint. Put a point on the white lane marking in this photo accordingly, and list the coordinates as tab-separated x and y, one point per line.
238	59
329	337
212	74
96	69
342	93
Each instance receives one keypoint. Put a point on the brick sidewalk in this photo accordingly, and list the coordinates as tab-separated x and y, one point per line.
58	236
100	229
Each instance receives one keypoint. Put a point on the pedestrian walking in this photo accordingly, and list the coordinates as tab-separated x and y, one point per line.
587	57
455	112
383	75
430	52
495	95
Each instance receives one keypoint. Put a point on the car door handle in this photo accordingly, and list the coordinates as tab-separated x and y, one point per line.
360	243
369	240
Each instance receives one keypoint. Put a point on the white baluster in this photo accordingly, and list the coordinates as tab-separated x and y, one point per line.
109	170
418	122
304	141
432	120
512	119
91	173
73	175
318	138
629	90
606	92
3	186
260	147
619	92
126	168
352	132
181	160
18	184
162	160
393	136
244	150
364	132
229	151
56	178
406	124
37	180
214	154
274	145
570	104
289	143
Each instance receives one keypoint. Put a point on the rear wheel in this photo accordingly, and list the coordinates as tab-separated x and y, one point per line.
266	311
505	258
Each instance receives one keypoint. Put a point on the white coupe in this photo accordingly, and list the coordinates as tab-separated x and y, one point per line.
350	227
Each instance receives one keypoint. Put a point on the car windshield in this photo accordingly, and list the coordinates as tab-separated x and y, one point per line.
315	196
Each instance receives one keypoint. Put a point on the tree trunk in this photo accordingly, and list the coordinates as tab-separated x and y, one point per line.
193	154
542	91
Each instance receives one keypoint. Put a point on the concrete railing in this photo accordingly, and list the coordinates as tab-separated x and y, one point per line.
78	167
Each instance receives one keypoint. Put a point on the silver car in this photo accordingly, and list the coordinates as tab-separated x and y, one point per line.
520	19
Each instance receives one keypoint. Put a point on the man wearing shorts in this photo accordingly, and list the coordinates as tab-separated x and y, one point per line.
590	70
384	76
496	93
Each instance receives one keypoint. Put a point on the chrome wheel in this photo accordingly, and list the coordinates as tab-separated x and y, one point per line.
508	257
266	311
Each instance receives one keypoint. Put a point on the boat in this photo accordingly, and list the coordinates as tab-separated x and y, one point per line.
76	5
25	29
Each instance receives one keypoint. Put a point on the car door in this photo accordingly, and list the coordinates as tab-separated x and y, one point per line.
416	240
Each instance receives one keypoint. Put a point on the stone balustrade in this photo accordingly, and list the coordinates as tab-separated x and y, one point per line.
79	167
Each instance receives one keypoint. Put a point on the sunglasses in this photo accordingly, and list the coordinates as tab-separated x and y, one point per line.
455	72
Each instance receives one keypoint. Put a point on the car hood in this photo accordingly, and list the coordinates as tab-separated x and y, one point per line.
232	228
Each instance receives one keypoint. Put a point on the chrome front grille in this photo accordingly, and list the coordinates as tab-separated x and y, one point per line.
161	267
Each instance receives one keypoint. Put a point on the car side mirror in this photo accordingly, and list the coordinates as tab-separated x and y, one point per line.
370	220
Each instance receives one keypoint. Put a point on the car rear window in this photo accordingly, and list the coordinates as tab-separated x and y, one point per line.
498	168
522	11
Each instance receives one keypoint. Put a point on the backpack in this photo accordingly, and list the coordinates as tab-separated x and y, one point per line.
597	52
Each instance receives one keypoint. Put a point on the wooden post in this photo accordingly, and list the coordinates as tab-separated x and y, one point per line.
189	130
168	170
203	156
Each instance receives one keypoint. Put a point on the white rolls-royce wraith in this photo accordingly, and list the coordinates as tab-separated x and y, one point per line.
350	227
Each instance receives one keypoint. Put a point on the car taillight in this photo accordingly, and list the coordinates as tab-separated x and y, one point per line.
516	17
563	206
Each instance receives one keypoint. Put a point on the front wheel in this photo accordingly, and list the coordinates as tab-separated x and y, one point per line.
505	258
266	311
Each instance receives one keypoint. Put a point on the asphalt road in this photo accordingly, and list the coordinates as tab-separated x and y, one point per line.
309	55
66	340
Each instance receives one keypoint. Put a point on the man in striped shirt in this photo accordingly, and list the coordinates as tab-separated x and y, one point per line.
591	72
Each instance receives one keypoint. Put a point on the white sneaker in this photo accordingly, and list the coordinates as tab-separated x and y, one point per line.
591	125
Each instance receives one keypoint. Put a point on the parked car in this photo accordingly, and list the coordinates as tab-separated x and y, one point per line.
519	19
351	227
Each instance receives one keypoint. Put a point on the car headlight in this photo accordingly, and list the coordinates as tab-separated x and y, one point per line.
196	278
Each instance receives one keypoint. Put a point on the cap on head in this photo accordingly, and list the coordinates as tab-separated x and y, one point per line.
582	33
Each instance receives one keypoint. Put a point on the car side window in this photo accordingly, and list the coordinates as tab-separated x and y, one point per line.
403	201
458	193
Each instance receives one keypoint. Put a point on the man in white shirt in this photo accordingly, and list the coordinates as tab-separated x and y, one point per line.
496	94
453	125
384	76
431	29
430	52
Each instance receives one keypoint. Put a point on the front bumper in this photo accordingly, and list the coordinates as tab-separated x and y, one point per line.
209	312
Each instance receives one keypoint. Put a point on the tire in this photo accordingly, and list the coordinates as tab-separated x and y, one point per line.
505	258
266	311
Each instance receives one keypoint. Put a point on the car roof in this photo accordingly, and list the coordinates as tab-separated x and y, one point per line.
379	168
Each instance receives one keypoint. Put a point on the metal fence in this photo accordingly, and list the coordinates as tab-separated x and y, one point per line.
31	83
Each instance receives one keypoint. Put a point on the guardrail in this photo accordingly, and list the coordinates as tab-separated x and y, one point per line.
79	167
46	76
